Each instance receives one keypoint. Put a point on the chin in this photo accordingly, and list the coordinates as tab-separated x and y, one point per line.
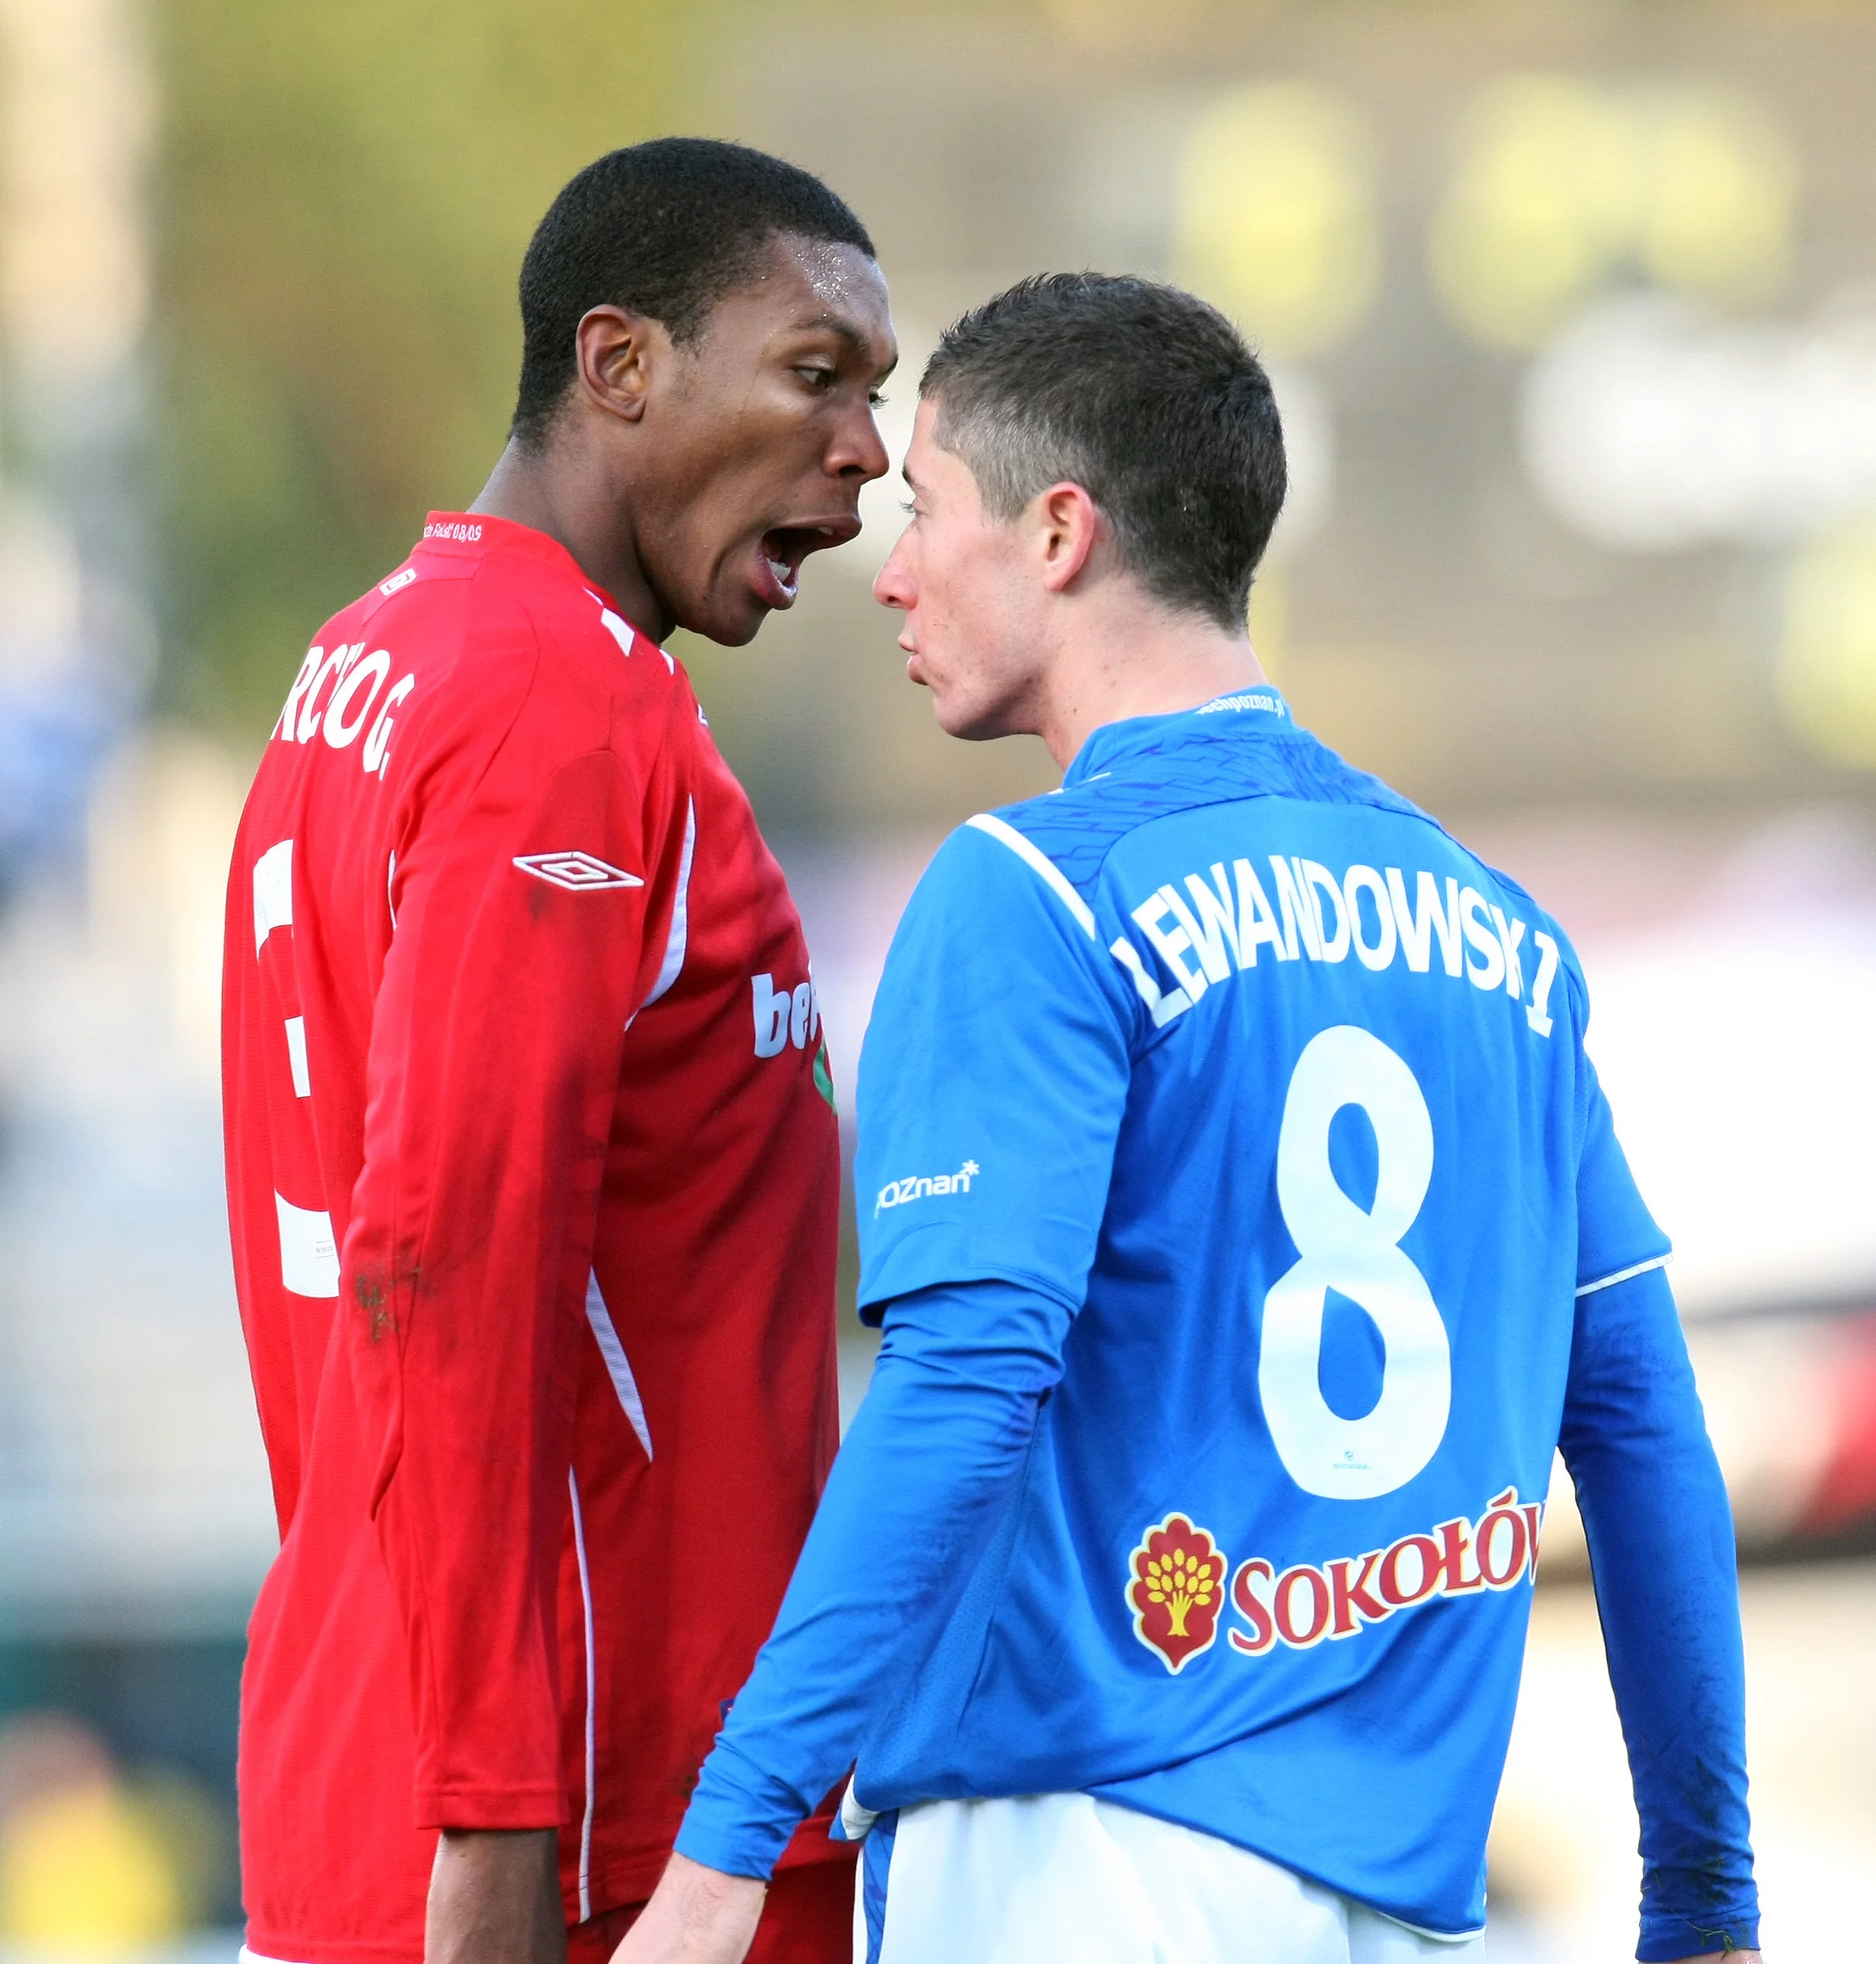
740	633
728	627
970	723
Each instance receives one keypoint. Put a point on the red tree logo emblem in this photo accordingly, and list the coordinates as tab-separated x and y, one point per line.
1176	1589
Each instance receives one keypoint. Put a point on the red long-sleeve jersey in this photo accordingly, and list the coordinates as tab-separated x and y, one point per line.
533	1173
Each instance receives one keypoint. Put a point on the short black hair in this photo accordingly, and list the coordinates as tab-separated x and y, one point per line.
665	229
1148	398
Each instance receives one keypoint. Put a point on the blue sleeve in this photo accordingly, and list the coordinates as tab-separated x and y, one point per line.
915	1498
1616	1235
992	1081
1661	1547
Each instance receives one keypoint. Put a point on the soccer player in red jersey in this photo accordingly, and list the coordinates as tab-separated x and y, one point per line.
532	1164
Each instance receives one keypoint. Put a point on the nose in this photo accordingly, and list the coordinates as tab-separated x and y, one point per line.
896	585
858	450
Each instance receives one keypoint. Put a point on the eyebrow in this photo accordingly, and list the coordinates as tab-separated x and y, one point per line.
854	336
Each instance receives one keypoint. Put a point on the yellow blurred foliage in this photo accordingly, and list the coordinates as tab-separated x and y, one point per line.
1114	24
1721	179
1276	221
1559	183
1269	621
85	1869
1536	210
1827	659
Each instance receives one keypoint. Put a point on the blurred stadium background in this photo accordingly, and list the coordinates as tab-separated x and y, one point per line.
1573	312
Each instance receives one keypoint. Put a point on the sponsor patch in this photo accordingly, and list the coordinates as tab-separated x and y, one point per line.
1175	1589
899	1193
1304	1605
784	1016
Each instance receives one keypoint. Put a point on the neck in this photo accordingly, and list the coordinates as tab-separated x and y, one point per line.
570	498
1137	660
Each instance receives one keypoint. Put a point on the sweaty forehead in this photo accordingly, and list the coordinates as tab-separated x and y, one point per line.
834	273
807	283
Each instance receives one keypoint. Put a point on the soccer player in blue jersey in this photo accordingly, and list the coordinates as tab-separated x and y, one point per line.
1248	1229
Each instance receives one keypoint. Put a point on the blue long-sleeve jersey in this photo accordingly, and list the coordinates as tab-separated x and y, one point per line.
1255	1230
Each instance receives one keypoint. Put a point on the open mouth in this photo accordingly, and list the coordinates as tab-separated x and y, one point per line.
783	548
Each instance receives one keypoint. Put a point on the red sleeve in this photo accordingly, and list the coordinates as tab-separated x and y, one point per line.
528	912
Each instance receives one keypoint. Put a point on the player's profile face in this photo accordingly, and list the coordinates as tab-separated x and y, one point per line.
765	434
965	582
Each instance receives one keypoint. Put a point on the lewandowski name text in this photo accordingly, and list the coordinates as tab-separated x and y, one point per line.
1216	926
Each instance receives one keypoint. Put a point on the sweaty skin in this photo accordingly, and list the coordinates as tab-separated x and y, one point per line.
690	481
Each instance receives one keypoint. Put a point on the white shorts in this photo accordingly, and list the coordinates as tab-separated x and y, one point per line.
1066	1876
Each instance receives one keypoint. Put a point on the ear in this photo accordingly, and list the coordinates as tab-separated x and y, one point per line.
1069	527
617	354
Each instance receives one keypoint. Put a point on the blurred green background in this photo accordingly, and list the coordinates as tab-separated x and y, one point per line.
1408	207
345	192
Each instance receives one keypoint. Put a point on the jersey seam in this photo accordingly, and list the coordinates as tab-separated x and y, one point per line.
1091	952
448	843
524	606
663	747
1018	1279
1405	809
1020	1483
444	1790
1624	1274
469	799
451	836
397	1210
1040	863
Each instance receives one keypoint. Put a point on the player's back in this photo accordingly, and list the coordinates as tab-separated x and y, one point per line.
1309	1086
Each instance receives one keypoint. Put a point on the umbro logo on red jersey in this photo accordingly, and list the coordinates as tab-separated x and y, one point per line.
579	872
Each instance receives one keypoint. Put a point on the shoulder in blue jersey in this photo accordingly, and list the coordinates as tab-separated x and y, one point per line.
1246	1062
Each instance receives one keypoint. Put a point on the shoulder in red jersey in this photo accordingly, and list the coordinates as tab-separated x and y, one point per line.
530	601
